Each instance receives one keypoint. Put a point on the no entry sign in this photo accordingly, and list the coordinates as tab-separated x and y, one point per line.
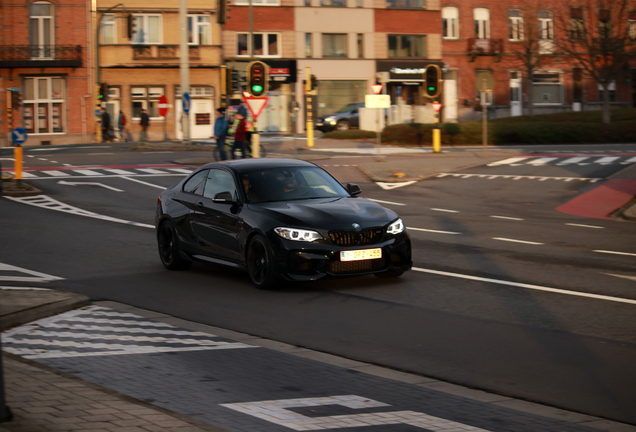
163	106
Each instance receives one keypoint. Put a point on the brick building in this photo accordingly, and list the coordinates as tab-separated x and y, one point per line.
43	54
142	66
484	42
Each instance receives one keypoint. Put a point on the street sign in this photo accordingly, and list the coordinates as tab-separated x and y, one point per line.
377	101
256	105
163	106
19	135
98	113
377	88
185	100
436	106
16	89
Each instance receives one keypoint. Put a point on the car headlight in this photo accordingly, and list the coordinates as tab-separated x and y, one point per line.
297	234
396	227
331	120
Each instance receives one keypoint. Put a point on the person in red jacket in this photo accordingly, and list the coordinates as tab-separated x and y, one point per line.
239	135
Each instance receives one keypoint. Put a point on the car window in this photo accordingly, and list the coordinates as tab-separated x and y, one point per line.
196	183
219	181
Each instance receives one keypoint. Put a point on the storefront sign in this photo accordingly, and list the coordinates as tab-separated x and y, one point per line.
405	72
283	71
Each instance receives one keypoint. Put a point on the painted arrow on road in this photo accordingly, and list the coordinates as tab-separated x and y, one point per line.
389	186
62	182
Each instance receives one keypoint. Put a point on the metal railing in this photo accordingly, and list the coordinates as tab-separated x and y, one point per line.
40	52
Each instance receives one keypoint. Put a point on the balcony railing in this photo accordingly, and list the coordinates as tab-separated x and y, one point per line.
163	52
485	47
41	56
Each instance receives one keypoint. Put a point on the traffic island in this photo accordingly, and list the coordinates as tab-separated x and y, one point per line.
17	188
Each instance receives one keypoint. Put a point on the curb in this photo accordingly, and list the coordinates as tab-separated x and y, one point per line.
11	188
28	314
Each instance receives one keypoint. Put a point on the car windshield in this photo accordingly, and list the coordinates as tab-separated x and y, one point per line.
289	184
348	108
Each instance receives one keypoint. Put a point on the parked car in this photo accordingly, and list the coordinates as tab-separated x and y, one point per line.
344	119
280	220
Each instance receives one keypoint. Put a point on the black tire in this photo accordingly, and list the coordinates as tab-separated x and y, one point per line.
343	125
169	250
260	263
389	274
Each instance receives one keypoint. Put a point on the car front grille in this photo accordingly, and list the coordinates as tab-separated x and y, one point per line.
352	267
356	238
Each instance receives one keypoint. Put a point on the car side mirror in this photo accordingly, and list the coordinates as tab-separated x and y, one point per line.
223	197
353	189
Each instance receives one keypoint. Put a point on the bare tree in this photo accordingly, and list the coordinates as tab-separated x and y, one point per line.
596	40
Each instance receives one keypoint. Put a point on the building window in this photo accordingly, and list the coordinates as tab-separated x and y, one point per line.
547	88
146	98
109	30
43	105
335	94
546	32
482	23
515	23
604	24
199	30
264	44
631	27
611	90
577	25
148	29
258	2
450	22
334	45
204	92
308	46
339	3
405	4
360	45
407	46
41	28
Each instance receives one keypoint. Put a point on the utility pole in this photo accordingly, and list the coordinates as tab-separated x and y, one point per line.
184	66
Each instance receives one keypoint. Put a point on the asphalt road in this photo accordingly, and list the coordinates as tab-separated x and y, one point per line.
474	311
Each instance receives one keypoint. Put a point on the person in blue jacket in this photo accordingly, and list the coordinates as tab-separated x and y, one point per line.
220	132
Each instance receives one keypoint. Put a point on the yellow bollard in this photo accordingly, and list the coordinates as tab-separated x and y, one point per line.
256	149
17	154
437	141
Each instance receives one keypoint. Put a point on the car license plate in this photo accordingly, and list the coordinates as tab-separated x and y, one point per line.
357	255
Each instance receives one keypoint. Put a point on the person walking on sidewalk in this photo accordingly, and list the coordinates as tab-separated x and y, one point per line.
144	122
106	126
220	132
121	123
239	135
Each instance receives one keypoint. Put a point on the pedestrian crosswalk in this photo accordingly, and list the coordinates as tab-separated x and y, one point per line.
566	160
100	331
100	172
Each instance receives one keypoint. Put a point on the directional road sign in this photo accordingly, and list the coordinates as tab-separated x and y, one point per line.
163	106
185	99
19	135
97	113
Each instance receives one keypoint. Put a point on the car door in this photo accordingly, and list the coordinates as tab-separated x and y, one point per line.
355	116
217	225
188	196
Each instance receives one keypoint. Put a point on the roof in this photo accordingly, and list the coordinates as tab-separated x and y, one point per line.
245	165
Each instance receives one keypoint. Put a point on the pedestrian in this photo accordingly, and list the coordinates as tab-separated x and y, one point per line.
144	122
239	134
220	132
105	126
121	122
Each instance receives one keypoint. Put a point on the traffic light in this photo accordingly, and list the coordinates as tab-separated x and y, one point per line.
131	26
16	99
257	79
236	80
314	82
432	81
103	92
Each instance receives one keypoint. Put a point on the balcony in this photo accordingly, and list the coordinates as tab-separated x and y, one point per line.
485	47
39	56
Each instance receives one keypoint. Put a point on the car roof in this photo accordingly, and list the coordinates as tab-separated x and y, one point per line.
245	165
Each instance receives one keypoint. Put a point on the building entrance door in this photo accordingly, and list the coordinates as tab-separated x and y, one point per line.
516	106
450	96
202	118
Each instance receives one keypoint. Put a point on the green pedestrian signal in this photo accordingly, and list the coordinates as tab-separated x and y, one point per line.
257	79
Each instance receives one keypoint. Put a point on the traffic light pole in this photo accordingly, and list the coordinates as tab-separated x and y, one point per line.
309	109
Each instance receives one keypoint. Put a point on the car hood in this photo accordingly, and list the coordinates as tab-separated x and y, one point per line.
337	115
328	213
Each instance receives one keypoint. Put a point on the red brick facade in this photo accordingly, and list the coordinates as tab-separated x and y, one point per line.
407	21
53	73
265	19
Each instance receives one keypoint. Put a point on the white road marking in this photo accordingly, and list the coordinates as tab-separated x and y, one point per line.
181	170
99	154
33	275
629	161
142	182
516	241
432	231
444	210
573	160
56	173
506	217
540	178
508	161
622	276
527	286
62	182
151	171
542	161
88	172
94	147
45	149
384	202
606	160
585	226
24	288
615	253
119	171
389	186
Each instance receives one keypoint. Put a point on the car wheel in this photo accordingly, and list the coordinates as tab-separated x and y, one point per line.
169	250
389	274
260	263
342	125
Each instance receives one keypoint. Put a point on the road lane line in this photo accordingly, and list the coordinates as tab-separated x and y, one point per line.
383	202
445	210
506	217
516	241
615	253
432	231
508	161
142	182
585	226
528	286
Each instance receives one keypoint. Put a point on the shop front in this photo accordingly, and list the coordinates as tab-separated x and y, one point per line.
403	80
